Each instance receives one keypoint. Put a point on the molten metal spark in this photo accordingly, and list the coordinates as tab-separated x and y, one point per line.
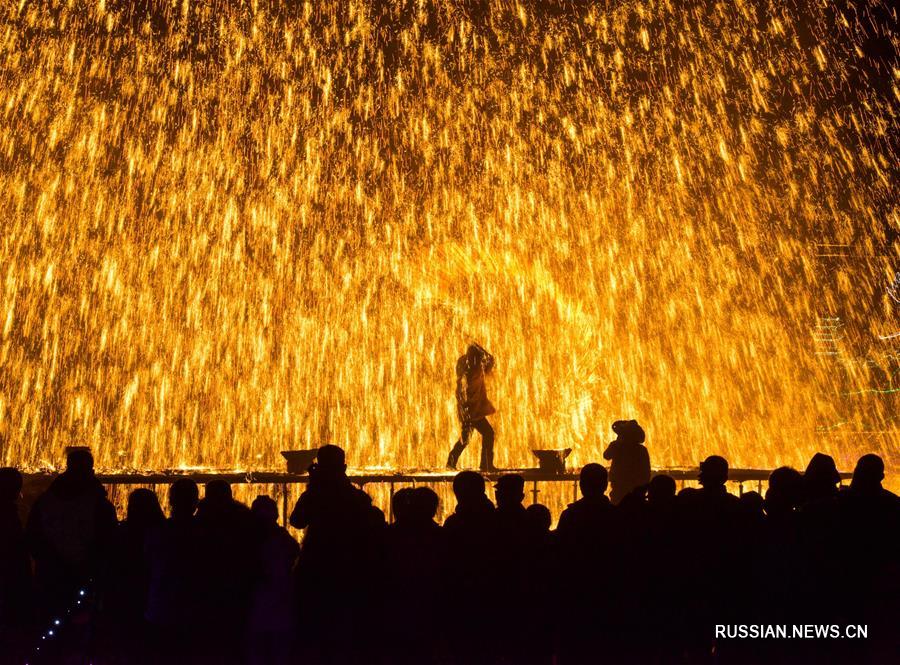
231	228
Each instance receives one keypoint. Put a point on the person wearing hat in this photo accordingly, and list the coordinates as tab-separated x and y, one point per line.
473	406
630	461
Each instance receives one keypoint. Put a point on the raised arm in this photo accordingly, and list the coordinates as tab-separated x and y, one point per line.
610	451
487	360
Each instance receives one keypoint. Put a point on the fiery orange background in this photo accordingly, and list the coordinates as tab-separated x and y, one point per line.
232	228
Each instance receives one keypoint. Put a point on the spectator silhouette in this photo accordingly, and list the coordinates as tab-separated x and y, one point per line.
416	578
661	491
69	531
782	567
272	613
588	521
402	505
867	477
818	516
662	567
219	587
173	597
425	503
784	494
629	460
752	506
226	546
515	543
339	559
589	536
869	546
126	579
542	576
512	520
708	517
821	479
540	519
15	569
473	556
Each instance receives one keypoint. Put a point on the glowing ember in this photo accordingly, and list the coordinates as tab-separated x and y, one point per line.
229	231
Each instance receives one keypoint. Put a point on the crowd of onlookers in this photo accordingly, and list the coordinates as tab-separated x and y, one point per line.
646	579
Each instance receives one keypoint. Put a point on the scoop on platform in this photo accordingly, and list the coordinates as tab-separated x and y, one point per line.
298	461
552	461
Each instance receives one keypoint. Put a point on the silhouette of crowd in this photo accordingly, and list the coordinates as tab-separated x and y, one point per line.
641	579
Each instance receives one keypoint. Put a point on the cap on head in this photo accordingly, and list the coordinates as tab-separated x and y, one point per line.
713	471
629	431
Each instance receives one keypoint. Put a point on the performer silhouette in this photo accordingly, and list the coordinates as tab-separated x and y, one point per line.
473	406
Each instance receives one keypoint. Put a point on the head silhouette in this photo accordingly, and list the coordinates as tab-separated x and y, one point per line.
661	489
868	474
402	505
217	491
79	462
629	431
424	502
468	487
752	503
509	490
473	355
184	495
785	491
593	480
10	484
821	477
143	508
331	461
264	510
539	517
713	472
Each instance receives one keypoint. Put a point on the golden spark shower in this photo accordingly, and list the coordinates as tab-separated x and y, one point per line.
235	227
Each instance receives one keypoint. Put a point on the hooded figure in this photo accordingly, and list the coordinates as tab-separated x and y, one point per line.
630	467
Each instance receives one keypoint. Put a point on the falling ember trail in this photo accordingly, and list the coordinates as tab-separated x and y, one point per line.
232	228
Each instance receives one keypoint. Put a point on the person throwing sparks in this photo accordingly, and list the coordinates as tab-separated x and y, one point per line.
473	406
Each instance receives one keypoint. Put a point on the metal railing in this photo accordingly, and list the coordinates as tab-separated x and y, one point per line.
534	477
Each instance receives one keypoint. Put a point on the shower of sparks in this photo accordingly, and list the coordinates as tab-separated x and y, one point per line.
894	289
235	227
